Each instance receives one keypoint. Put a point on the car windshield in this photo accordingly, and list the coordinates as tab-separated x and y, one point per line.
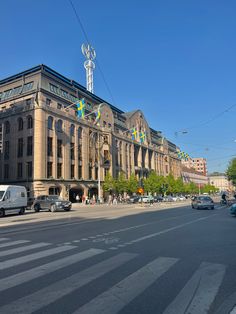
1	194
204	198
54	198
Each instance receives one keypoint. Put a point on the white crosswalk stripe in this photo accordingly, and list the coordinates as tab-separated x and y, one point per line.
199	292
51	293
196	296
14	243
36	272
23	249
114	299
32	257
3	239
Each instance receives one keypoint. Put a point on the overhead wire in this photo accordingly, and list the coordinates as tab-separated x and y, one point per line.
88	42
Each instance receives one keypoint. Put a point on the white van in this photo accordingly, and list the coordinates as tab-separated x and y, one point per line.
13	199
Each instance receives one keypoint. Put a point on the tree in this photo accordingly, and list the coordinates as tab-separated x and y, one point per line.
150	184
109	183
121	184
231	171
208	188
132	184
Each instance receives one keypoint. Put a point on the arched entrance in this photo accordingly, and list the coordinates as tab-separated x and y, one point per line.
74	192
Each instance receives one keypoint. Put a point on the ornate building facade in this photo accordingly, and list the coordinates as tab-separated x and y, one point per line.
45	147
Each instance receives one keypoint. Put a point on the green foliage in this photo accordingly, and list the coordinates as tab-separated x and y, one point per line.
231	171
132	184
109	183
208	188
121	184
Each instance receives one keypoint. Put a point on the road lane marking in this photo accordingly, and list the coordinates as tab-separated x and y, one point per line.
14	243
36	272
115	298
53	292
152	235
32	257
23	248
200	291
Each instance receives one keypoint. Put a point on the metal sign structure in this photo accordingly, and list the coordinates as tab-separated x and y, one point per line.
90	54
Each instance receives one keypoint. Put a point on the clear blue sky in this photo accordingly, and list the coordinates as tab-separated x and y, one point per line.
174	60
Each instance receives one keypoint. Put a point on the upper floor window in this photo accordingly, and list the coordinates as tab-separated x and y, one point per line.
20	124
79	133
59	125
29	122
59	106
50	123
28	101
72	130
7	127
48	102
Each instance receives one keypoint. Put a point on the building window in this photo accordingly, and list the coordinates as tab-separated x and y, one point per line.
72	151
19	170
59	148
50	152
6	150
20	147
59	126
72	130
90	170
50	123
80	172
79	133
7	127
6	171
59	106
96	173
20	124
29	169
29	145
59	170
49	169
29	122
48	102
72	171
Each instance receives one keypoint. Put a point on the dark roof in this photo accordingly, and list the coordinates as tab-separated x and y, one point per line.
45	68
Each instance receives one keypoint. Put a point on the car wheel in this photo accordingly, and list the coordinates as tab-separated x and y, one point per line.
36	208
22	211
2	212
53	208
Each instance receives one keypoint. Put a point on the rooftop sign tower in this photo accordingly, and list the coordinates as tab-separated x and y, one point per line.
90	54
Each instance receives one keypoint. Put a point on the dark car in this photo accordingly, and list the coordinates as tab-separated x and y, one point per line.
199	202
51	202
133	199
158	199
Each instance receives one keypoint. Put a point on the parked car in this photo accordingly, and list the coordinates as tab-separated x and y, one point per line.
233	209
133	199
13	199
158	199
182	198
146	199
199	202
168	198
51	202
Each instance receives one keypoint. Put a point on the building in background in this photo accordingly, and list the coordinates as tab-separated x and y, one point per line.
191	175
45	147
220	181
197	163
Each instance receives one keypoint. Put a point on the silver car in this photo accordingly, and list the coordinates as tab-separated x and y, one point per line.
200	202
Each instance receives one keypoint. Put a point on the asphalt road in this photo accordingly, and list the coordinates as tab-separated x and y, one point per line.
120	259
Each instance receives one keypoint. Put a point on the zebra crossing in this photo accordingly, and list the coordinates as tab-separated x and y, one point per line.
43	259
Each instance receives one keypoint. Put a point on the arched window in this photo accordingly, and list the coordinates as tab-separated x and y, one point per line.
72	130
29	122
80	133
50	123
59	125
20	124
7	127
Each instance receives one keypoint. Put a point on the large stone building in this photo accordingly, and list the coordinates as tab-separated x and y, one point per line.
220	181
45	147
